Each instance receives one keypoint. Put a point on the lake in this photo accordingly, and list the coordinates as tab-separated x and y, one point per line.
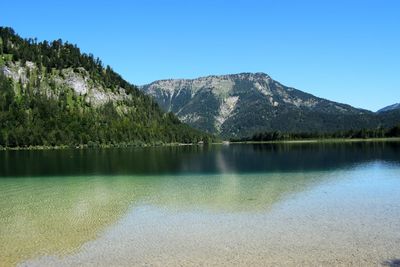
233	205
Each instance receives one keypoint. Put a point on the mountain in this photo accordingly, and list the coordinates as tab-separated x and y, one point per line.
52	94
240	105
390	108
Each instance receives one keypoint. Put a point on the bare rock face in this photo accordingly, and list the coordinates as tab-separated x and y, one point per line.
76	82
241	104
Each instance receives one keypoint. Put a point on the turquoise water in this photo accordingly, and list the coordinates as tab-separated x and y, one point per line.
299	204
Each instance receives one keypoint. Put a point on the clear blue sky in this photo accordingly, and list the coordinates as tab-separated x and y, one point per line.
347	51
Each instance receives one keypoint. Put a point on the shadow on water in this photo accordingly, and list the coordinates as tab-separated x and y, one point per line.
392	263
214	159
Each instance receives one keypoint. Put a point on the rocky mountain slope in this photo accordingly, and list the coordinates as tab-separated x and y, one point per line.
76	83
241	104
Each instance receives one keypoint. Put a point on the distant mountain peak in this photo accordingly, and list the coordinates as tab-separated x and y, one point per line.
241	75
236	105
389	108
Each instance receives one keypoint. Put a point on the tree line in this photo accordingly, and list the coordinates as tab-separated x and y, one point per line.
351	134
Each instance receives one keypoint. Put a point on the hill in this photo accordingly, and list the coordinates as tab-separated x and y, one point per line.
52	94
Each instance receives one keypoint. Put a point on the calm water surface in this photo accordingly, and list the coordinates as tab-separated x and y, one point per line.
237	205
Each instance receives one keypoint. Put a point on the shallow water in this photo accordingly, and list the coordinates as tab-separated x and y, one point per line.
300	204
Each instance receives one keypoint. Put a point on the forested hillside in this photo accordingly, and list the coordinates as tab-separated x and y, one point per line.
53	94
351	134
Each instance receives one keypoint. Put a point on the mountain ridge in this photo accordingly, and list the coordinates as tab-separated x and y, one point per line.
392	107
236	105
243	74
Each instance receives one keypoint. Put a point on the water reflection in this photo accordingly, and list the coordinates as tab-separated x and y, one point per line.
237	193
196	159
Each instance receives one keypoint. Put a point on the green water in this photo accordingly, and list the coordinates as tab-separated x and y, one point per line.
329	204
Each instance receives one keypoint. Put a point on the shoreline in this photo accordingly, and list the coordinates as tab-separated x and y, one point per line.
64	147
323	140
300	141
